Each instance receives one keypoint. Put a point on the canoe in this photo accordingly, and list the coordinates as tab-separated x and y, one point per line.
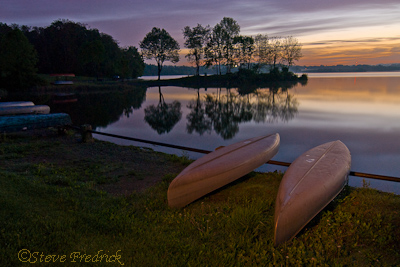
16	104
16	110
30	122
312	181
221	167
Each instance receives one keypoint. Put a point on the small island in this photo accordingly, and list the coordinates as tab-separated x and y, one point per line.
243	77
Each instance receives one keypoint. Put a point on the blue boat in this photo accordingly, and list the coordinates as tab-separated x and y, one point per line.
31	122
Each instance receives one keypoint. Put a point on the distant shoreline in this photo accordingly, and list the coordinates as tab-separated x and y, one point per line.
150	70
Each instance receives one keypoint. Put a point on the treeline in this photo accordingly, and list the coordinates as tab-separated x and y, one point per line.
67	47
222	47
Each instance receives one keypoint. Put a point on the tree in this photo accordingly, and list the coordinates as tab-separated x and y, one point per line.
245	50
230	29
195	40
261	50
158	44
112	57
220	48
132	65
274	54
91	56
214	48
18	60
291	50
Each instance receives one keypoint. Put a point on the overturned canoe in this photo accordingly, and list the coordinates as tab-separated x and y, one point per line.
17	110
312	181
221	167
30	122
16	104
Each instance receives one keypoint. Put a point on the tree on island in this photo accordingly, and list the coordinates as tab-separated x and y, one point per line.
291	51
18	59
159	44
220	47
195	40
230	30
245	50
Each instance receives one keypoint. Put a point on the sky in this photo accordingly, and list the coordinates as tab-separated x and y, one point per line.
331	32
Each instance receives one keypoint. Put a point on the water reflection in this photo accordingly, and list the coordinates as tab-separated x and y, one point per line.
99	108
163	117
364	113
102	108
224	111
197	119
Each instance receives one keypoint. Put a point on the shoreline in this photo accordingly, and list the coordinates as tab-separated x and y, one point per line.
61	196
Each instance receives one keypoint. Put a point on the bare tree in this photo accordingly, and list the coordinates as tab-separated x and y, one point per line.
230	30
195	40
214	48
245	49
274	54
261	42
291	50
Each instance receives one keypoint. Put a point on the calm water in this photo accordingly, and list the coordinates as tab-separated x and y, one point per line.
360	109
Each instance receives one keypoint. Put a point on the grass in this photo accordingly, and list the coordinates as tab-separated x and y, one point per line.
54	212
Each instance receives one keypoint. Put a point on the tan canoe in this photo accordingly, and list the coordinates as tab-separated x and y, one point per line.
220	168
312	181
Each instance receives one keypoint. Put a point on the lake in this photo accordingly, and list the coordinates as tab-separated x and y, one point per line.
360	109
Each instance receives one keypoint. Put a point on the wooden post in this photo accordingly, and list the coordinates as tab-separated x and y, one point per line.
86	134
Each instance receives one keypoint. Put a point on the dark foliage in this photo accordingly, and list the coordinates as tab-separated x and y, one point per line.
18	60
69	47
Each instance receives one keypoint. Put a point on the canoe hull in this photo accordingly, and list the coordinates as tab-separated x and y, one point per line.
220	168
17	110
311	182
31	122
16	104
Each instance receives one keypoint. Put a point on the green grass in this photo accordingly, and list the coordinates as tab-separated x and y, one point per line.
52	209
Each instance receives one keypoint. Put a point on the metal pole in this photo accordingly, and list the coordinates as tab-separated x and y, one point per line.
280	163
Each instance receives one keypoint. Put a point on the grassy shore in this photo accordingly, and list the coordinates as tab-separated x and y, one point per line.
64	202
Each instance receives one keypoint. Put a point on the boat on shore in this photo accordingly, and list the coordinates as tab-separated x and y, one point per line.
311	182
31	122
220	168
19	110
16	104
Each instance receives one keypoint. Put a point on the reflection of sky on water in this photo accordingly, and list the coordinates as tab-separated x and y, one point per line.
364	113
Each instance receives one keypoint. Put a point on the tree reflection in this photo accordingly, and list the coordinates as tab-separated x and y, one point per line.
163	117
197	119
98	108
224	112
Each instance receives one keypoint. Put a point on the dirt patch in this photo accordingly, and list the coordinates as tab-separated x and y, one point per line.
119	170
